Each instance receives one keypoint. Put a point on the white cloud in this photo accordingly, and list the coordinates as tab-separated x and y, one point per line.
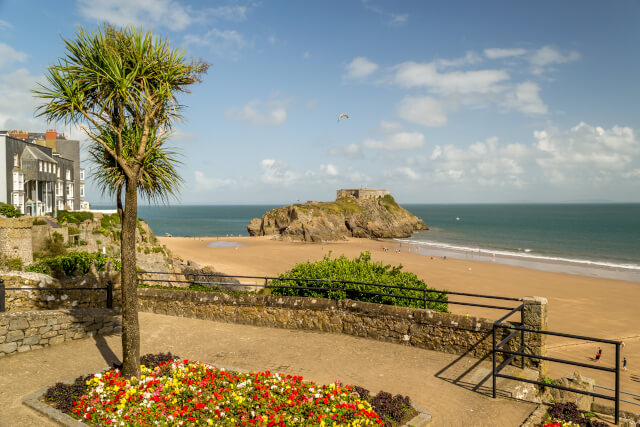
360	67
394	19
403	172
396	141
469	58
352	151
17	103
157	13
413	74
425	111
204	183
227	43
525	98
277	172
257	113
329	169
585	151
498	53
9	55
5	24
547	56
153	13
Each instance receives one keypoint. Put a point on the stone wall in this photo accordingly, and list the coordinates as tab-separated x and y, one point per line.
449	333
24	331
361	193
42	292
40	234
15	238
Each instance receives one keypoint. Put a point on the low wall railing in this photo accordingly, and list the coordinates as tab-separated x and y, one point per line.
265	282
108	289
498	349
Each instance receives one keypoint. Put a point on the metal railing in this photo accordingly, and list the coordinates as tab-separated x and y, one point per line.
497	349
265	284
621	392
108	289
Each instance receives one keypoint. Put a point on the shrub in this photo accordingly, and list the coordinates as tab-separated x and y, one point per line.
393	410
9	211
39	221
360	269
14	264
73	231
110	221
73	217
72	263
569	412
53	247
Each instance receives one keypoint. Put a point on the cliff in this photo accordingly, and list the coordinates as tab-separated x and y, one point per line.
346	217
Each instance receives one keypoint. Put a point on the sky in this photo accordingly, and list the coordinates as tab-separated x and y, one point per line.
448	102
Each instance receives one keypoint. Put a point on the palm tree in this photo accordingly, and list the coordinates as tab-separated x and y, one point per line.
120	85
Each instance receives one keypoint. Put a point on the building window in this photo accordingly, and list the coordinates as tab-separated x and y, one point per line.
40	165
68	175
81	174
70	190
16	161
58	171
82	190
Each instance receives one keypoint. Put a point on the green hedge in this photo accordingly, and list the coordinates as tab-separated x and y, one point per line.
73	217
72	263
9	211
360	269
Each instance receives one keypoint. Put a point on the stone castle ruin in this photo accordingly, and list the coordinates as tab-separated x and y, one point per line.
361	193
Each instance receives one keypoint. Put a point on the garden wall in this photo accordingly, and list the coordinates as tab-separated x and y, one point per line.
30	330
48	296
449	333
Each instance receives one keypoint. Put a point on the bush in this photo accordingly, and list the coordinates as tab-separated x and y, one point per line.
53	247
110	221
73	231
72	263
39	221
569	412
13	264
63	395
9	211
73	217
393	410
360	269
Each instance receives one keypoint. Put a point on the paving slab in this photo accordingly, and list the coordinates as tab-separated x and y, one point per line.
445	385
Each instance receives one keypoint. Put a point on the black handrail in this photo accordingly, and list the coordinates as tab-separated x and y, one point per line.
497	348
3	289
319	280
424	291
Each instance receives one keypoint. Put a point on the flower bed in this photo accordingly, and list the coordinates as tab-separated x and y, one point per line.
184	392
568	415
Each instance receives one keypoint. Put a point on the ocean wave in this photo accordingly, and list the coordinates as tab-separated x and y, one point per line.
524	254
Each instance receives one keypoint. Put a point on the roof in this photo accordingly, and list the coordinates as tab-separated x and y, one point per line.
35	154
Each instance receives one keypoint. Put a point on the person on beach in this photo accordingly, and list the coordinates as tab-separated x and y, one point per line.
624	364
598	354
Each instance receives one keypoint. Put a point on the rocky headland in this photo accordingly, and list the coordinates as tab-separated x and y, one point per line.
372	217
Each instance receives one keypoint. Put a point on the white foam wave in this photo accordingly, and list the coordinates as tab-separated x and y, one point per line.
525	255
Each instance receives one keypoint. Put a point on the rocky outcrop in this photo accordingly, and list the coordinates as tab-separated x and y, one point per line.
347	217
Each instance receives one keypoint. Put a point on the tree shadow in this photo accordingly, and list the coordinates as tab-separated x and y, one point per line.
107	353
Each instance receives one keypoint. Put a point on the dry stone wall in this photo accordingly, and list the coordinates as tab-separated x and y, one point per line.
35	291
449	333
25	331
15	238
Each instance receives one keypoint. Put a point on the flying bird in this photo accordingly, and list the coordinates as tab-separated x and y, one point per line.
342	116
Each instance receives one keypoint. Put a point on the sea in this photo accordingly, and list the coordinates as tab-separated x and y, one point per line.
600	240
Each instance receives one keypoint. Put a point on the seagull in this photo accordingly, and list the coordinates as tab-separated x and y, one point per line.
342	116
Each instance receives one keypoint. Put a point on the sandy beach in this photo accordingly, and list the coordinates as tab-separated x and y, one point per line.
578	304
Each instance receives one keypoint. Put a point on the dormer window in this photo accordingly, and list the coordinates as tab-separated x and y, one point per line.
16	160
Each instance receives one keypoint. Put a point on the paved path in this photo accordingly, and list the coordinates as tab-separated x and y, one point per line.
426	376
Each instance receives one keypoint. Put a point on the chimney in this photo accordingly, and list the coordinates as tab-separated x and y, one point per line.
51	135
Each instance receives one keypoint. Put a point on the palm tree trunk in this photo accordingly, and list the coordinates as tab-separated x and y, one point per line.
130	325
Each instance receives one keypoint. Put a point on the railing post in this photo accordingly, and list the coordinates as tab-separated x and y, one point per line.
109	294
266	282
2	308
424	298
522	333
617	414
493	359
